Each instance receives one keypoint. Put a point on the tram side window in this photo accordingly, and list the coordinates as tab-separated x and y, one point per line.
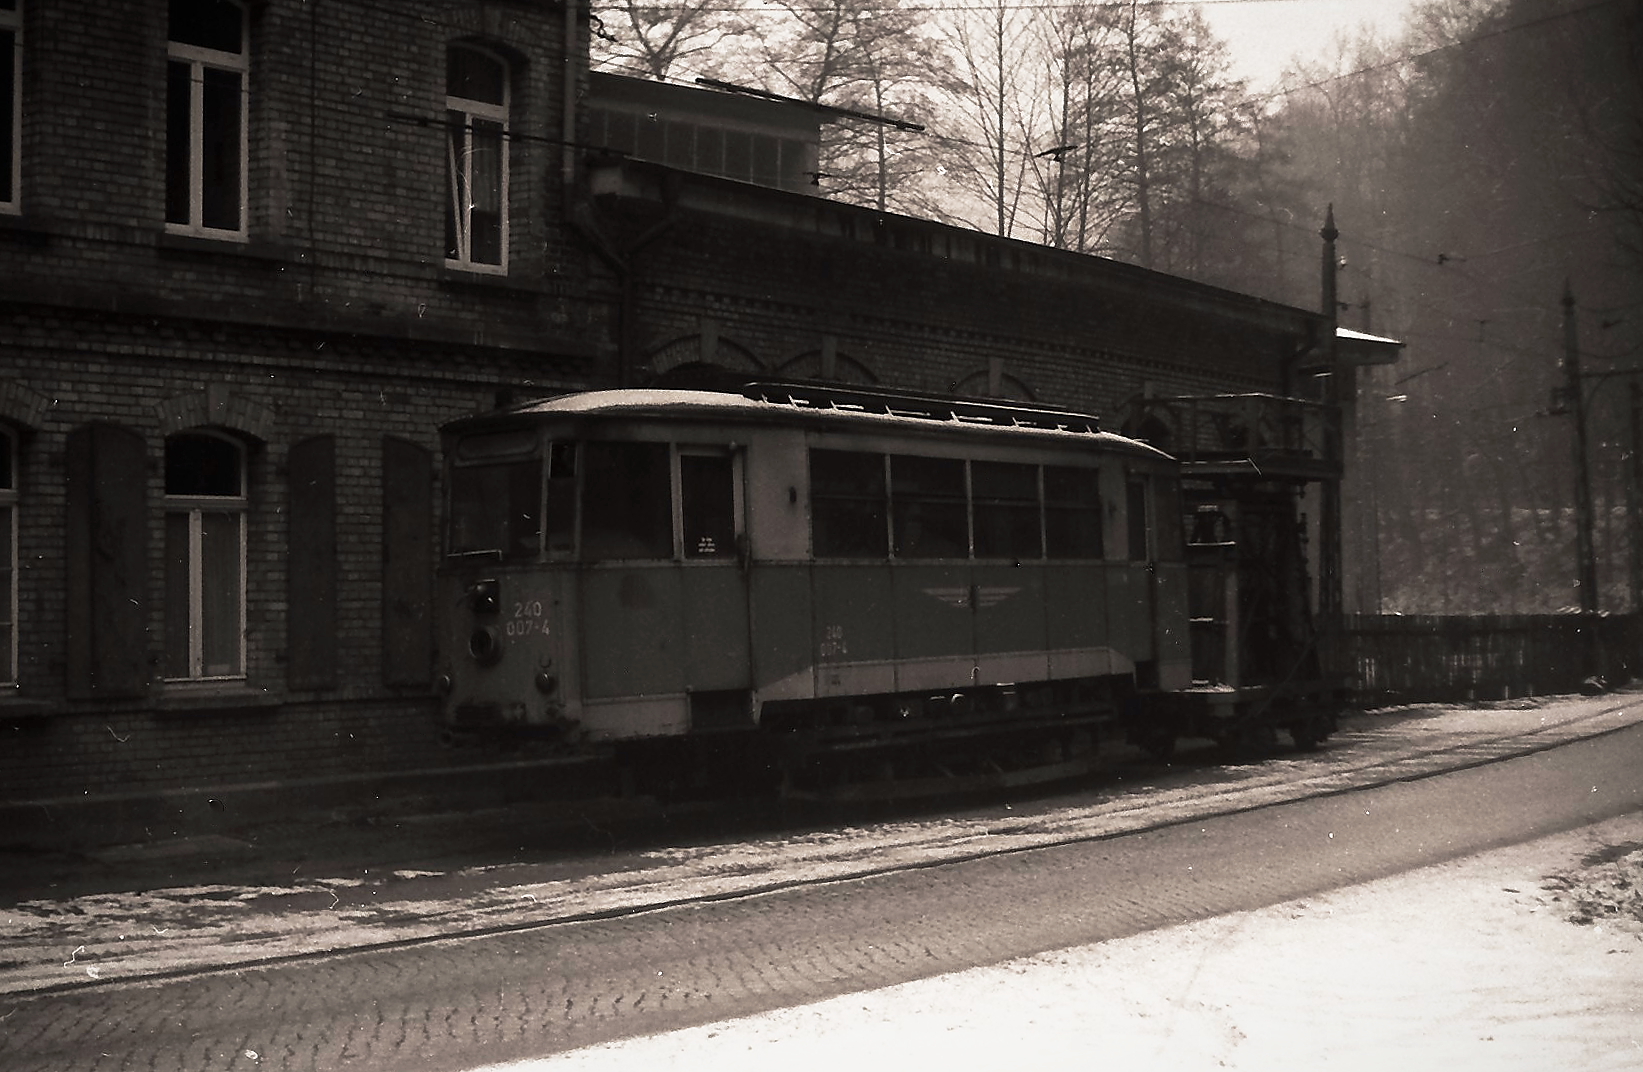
1137	520
1072	513
1006	510
927	507
848	507
707	503
497	508
627	503
561	519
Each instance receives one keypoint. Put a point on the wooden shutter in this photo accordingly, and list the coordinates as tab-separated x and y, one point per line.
311	565
107	551
407	563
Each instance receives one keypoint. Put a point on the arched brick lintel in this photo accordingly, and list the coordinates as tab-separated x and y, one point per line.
20	405
217	407
690	349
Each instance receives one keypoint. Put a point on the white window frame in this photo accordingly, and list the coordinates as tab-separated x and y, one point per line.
459	173
200	59
12	22
195	507
8	612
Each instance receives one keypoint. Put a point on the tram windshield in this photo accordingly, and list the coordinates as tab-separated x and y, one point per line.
496	496
496	508
518	499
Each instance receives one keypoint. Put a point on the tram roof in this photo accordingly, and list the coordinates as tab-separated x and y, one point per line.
821	406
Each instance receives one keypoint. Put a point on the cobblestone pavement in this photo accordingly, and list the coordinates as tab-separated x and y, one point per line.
302	890
454	1003
1522	959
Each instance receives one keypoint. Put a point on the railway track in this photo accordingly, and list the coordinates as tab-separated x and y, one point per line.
191	931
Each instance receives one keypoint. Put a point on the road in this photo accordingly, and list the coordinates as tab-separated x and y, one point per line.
536	990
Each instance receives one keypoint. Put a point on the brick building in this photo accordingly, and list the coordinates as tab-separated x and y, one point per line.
253	255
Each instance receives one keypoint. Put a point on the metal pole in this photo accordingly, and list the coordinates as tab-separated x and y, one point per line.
1583	493
1329	521
1634	498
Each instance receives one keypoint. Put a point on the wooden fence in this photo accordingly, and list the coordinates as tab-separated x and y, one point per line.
1482	657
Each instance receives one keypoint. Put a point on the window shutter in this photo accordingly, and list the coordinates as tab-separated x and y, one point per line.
311	565
407	563
107	547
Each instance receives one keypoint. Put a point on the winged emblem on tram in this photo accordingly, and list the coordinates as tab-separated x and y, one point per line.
982	596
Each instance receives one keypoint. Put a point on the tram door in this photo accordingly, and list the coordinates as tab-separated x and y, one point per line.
1149	609
663	595
713	588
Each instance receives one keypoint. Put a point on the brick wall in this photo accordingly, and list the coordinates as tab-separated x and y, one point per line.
68	370
772	298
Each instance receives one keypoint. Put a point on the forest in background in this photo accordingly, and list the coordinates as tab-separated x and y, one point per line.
1483	164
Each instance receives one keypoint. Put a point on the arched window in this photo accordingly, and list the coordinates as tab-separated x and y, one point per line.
476	160
205	507
8	556
205	140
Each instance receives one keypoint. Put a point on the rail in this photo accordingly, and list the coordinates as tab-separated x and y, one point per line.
1483	657
1255	434
927	407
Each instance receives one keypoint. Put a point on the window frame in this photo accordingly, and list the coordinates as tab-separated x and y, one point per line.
195	507
9	506
852	505
199	59
889	507
738	508
987	507
915	503
460	222
1059	509
1139	509
11	105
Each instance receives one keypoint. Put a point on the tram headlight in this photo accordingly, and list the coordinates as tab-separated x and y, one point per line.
486	596
485	645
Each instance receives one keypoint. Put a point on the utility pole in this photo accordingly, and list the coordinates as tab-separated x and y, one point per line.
1329	506
1634	498
1587	577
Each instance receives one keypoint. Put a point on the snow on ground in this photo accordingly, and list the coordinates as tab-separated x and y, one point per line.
1526	958
129	934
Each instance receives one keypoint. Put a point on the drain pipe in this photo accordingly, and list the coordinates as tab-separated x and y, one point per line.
619	258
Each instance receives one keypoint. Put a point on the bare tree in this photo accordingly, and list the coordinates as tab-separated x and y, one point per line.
995	117
1083	101
859	56
656	38
1138	30
1197	169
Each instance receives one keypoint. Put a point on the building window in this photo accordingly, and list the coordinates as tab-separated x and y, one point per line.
759	157
476	152
205	509
11	104
8	556
205	149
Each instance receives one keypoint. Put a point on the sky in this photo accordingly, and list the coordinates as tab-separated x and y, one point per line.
1264	34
